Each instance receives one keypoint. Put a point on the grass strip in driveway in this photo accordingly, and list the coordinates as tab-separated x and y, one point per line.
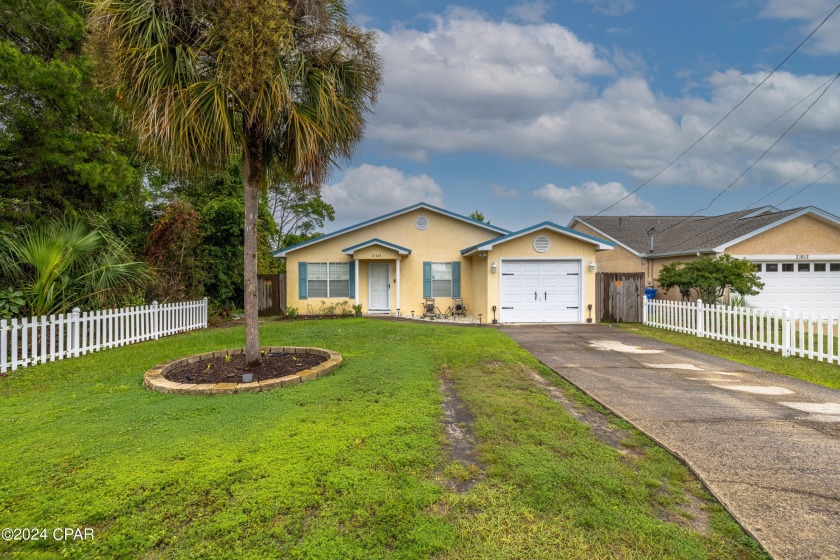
813	371
352	465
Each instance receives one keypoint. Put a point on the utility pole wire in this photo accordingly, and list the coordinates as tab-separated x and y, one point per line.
764	153
780	187
673	161
765	127
800	191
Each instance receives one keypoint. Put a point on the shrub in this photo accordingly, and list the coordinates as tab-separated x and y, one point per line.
12	303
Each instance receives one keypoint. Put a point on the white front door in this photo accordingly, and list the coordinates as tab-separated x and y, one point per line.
379	287
540	291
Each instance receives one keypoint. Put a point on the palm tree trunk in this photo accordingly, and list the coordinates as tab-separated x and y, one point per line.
251	175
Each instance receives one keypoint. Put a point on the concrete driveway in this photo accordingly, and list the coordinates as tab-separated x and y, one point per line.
768	446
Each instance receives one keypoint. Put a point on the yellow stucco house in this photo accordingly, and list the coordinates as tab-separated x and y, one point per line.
390	265
796	252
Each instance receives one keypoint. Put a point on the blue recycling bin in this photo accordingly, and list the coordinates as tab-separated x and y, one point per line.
650	293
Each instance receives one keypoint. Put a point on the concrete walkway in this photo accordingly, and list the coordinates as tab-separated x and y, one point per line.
768	446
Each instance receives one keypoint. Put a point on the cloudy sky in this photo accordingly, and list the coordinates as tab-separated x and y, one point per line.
541	110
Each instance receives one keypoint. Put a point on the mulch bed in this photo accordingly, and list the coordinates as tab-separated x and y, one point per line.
218	370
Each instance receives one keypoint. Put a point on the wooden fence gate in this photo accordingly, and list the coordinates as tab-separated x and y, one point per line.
271	289
618	296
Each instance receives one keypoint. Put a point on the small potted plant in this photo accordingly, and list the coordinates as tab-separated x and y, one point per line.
357	309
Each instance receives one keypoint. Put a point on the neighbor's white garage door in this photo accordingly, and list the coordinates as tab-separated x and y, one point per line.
808	287
540	291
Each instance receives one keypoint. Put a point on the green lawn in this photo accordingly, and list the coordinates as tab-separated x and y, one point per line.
821	373
352	465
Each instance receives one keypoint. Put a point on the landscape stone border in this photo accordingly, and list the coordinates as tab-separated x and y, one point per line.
155	380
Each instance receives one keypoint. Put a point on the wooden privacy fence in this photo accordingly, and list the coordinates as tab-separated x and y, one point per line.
806	335
271	289
617	296
37	340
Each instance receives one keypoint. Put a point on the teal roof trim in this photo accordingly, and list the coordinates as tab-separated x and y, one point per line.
550	225
282	252
376	241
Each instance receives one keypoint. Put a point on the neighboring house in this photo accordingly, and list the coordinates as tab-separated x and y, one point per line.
390	264
796	252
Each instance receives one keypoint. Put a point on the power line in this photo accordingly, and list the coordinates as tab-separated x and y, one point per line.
800	191
752	205
741	102
738	178
780	187
765	127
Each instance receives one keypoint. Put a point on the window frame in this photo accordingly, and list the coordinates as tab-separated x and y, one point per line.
328	279
449	267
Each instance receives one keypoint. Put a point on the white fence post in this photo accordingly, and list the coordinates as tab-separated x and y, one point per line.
155	320
205	310
786	329
644	310
700	321
4	330
14	344
74	336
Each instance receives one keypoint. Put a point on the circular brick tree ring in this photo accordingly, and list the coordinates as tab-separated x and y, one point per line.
155	380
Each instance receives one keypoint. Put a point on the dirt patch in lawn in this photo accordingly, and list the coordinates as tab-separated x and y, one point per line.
599	423
690	512
230	368
465	469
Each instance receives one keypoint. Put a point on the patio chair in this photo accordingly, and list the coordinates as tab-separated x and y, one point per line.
429	307
458	307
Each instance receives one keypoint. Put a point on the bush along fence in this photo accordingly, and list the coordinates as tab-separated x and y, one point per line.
792	334
36	340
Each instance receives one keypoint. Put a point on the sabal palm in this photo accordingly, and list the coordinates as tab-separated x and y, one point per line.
61	263
285	84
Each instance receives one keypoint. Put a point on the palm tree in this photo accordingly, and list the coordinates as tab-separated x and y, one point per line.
285	84
62	263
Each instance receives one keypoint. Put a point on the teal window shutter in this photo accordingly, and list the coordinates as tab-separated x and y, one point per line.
427	279
352	267
302	291
456	279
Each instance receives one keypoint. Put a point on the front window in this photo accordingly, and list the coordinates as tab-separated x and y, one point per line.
442	280
328	280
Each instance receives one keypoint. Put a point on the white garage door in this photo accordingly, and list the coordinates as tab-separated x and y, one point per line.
809	287
540	291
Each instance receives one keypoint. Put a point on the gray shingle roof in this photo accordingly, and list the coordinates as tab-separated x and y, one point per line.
681	234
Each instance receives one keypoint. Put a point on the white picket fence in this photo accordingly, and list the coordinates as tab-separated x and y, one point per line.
37	340
805	335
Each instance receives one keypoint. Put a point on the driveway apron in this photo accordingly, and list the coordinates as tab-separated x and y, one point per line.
767	446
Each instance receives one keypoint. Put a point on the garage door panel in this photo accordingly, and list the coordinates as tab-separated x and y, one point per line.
540	291
811	292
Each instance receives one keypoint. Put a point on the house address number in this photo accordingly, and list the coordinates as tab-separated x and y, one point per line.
803	257
376	255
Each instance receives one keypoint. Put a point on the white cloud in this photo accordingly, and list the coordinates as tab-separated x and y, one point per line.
810	13
537	92
468	73
504	192
532	12
368	191
611	7
590	198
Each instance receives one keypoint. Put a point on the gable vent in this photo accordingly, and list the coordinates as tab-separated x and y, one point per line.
541	244
422	222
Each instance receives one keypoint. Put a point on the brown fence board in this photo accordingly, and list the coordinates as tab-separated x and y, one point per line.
618	296
271	290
